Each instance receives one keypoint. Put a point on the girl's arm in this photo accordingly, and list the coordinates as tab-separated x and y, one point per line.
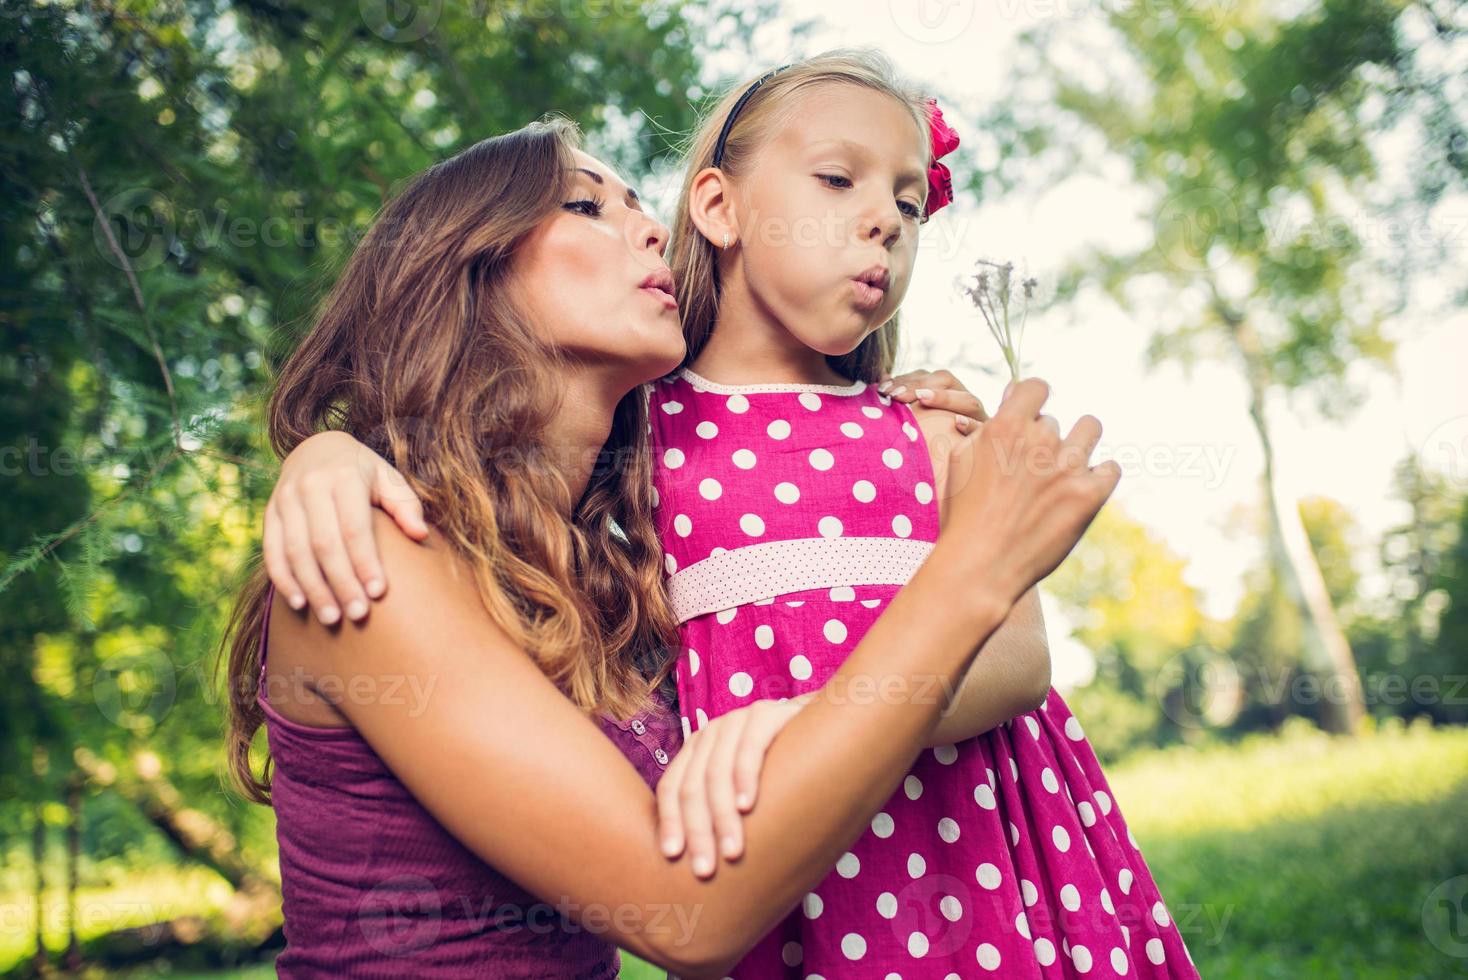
1011	675
555	806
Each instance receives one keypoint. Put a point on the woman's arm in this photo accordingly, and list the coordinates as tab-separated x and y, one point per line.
554	805
558	809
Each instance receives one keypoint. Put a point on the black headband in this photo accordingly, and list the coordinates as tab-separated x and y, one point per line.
734	112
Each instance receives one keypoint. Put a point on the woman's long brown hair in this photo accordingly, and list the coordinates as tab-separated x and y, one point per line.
418	353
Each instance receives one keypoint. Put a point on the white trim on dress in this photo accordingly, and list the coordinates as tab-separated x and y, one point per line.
774	568
700	383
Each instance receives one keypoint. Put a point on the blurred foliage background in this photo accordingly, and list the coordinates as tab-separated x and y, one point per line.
182	179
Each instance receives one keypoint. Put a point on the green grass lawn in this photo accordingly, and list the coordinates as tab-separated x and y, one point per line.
1282	857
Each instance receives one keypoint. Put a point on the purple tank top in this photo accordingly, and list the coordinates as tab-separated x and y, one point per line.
374	886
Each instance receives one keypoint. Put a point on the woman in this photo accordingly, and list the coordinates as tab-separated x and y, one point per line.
489	338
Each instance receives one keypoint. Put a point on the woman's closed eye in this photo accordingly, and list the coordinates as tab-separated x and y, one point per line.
909	209
591	207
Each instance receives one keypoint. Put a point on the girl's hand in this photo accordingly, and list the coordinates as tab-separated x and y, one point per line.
713	780
1019	495
935	391
318	524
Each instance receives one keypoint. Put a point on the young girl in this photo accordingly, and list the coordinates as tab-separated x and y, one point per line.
794	499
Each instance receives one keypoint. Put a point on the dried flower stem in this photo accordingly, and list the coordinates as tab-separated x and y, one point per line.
992	293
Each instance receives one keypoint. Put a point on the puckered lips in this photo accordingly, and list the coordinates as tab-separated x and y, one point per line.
871	286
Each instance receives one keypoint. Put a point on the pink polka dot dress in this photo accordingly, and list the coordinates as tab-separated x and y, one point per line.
790	515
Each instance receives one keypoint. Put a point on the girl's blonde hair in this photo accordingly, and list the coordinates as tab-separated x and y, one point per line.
418	353
694	259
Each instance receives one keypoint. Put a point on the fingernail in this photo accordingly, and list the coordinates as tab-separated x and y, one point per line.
670	846
702	865
963	421
730	847
898	390
884	386
924	393
330	615
297	601
374	588
356	609
744	801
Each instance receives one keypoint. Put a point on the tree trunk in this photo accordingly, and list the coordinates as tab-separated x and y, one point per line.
73	858
38	861
1327	652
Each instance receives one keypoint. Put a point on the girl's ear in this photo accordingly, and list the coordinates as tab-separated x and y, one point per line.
711	207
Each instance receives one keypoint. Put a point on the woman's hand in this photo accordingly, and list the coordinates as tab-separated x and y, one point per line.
714	779
935	391
319	544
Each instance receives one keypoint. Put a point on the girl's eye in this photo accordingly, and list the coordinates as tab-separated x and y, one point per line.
591	207
835	177
910	209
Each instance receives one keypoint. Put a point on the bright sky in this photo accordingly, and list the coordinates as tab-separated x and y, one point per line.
1195	457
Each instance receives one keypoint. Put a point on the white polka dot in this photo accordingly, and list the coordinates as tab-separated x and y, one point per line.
672	408
1155	952
945	754
683	525
787	493
822	459
1159	914
887	905
910	431
1133	838
924	493
830	527
706	430
871	603
1033	726
692	661
948	829
913	787
1044	951
871	411
744	459
988	875
740	684
863	491
835	631
984	797
812	905
751	525
800	667
1022	925
851	430
1048	780
687	728
1061	839
916	866
1013	833
710	489
778	429
882	825
764	636
726	616
1081	957
1028	893
853	946
657	498
1013	770
1106	902
737	404
1118	961
1124	879
1070	897
792	952
673	458
1073	729
988	956
901	526
848	865
892	457
670	563
917	945
811	400
703	719
1087	812
843	593
1103	800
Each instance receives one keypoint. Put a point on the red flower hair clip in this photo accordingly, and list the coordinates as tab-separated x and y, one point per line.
944	141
